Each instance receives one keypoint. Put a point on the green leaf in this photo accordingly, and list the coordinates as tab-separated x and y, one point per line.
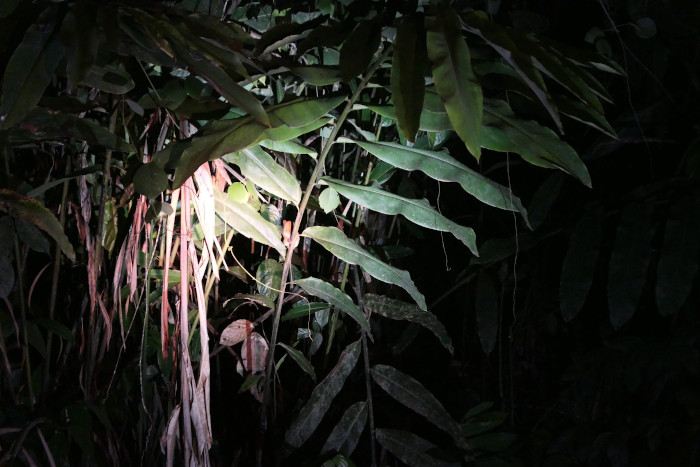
502	42
55	327
335	297
409	448
398	310
305	310
321	397
150	180
109	79
238	194
30	70
579	265
678	264
440	166
358	49
32	211
486	312
298	357
79	37
415	210
288	147
269	278
303	112
493	442
328	200
537	144
454	78
346	434
317	75
258	166
416	397
31	236
429	121
247	221
585	114
338	244
629	262
408	73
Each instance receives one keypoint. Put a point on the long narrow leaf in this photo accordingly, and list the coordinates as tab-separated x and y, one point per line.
416	397
321	397
398	310
261	168
346	434
409	448
299	358
445	168
335	297
247	221
339	245
415	210
454	78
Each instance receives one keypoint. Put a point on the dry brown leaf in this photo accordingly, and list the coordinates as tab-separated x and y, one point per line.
236	332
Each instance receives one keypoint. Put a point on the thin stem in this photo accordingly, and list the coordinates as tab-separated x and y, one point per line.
22	305
297	224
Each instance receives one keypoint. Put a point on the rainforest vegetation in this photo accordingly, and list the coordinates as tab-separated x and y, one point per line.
349	232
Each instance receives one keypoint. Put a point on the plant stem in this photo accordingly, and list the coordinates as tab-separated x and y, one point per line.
22	304
297	224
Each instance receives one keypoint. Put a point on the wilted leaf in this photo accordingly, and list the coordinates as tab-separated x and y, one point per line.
579	265
398	310
346	434
454	78
339	245
254	353
236	332
415	210
32	211
416	397
335	297
629	262
321	397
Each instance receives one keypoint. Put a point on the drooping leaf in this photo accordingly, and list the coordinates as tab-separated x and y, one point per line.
629	262
258	166
454	78
288	147
502	42
579	265
505	132
486	312
358	49
321	397
283	33
335	297
429	121
79	37
299	358
328	199
408	68
33	212
254	352
678	264
409	448
416	397
236	332
415	210
346	434
439	165
585	114
339	245
398	310
247	221
30	69
302	112
43	125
